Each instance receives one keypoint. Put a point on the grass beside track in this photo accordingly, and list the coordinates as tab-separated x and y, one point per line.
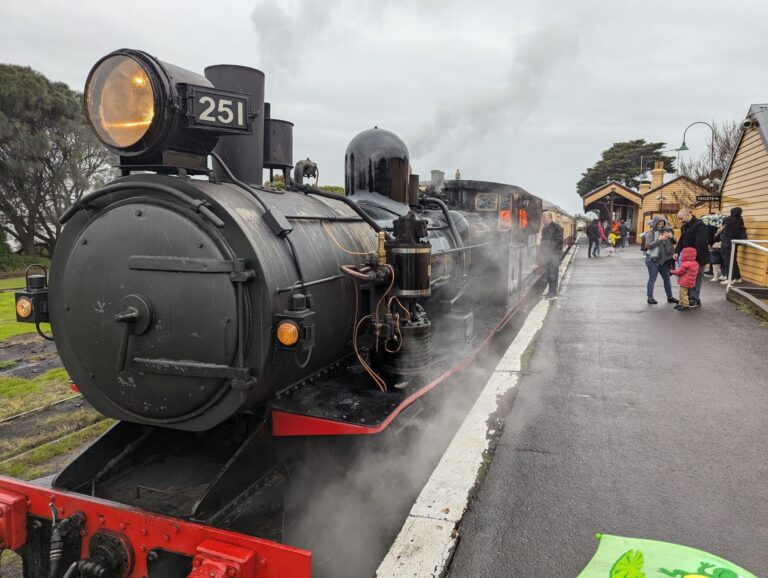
12	283
49	429
41	461
18	395
10	564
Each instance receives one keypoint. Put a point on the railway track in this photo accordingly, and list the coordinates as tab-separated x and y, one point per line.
39	409
35	442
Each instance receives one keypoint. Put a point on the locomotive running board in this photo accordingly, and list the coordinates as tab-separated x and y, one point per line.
157	546
345	407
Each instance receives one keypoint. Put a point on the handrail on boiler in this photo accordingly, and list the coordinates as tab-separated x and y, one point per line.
746	243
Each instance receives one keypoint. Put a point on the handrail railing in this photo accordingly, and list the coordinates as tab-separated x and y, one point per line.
746	243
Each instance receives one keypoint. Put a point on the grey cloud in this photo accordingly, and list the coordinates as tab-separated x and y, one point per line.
536	57
489	87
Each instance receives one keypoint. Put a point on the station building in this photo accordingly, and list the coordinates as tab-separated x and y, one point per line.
745	185
614	200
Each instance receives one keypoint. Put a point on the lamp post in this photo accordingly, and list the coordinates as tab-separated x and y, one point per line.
684	147
713	182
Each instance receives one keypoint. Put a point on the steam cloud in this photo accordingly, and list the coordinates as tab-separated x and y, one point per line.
533	63
287	30
284	30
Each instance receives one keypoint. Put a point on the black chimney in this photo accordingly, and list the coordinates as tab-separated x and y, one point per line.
243	154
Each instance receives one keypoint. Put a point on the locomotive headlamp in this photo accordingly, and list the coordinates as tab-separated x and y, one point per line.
288	333
154	114
120	101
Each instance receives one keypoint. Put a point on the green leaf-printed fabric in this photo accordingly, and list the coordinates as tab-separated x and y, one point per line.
620	557
630	565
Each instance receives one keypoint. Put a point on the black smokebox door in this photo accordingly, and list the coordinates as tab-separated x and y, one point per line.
165	260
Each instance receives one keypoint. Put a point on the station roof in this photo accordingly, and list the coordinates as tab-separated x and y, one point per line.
547	206
677	178
612	184
759	114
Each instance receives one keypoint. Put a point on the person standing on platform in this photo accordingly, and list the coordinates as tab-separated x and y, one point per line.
658	257
688	271
601	236
733	229
593	234
693	234
624	230
551	251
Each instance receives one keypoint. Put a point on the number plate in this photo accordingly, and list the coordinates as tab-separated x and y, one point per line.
219	110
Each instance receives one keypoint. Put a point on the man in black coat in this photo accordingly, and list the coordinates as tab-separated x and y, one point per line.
593	234
551	251
733	228
693	234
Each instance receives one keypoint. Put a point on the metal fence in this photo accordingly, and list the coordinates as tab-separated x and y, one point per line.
758	244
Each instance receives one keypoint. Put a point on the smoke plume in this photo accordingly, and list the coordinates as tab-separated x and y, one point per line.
479	112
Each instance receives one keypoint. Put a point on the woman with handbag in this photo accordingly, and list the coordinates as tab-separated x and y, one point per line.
733	229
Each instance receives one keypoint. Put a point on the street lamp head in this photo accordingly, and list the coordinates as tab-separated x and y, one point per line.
683	147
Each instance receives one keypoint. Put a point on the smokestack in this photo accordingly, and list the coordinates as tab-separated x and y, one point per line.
278	143
438	178
413	190
243	154
657	174
644	187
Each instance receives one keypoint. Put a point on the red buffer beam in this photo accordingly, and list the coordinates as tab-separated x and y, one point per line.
215	553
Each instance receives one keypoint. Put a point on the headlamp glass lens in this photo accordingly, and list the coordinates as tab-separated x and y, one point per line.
120	101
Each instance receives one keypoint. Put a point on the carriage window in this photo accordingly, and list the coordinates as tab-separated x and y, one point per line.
486	202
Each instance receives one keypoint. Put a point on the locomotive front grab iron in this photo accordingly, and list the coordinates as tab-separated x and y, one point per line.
184	300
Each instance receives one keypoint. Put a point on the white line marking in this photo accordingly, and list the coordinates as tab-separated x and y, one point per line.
426	541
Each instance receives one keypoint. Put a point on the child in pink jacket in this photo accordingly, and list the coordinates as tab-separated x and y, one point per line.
687	272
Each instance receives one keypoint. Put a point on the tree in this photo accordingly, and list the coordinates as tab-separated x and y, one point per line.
624	162
726	138
48	157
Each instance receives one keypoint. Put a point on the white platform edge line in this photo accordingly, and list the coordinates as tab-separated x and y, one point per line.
425	544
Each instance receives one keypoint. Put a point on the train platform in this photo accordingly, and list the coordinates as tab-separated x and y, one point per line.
632	420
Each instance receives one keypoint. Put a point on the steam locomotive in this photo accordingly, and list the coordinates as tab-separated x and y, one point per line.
211	315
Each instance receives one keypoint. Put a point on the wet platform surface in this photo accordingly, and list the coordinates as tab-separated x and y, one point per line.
634	420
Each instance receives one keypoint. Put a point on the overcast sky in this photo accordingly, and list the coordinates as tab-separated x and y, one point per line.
527	93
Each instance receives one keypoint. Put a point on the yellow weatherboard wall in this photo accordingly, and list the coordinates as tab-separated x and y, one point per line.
678	192
746	186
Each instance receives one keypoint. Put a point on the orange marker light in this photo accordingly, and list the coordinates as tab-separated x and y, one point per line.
23	307
287	333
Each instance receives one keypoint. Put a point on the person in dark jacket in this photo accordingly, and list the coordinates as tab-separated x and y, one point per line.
693	234
551	251
593	234
714	253
732	229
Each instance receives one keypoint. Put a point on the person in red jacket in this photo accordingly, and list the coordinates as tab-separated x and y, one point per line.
687	273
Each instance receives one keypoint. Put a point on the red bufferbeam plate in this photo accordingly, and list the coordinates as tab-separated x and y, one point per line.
215	553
